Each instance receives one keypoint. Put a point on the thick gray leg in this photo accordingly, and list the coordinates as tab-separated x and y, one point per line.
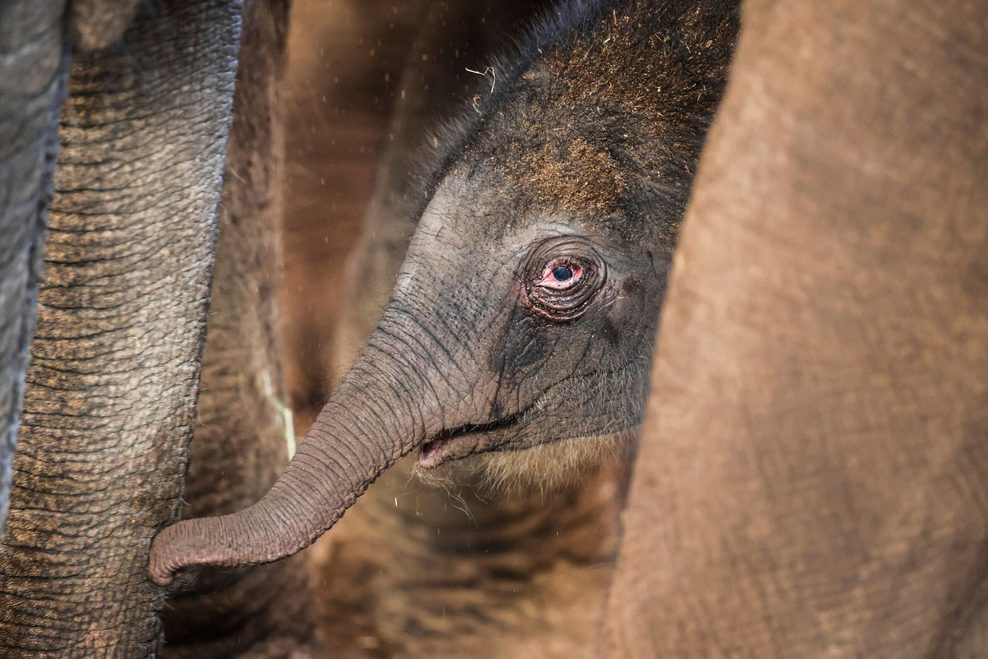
115	360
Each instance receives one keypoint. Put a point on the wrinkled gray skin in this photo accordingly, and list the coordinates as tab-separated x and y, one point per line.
35	39
108	407
581	162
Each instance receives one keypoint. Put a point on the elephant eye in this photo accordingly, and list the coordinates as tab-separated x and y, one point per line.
560	275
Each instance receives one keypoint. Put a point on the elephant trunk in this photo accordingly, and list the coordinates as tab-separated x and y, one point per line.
366	426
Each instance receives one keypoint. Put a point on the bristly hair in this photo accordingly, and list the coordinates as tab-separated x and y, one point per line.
545	469
600	110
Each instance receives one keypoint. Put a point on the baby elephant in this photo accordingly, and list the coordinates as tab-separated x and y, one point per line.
526	309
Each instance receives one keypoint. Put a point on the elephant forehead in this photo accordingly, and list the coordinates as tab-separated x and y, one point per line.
575	176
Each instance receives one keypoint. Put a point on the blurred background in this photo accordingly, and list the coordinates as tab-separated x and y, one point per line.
345	60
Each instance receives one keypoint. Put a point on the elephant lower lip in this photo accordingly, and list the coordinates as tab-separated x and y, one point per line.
457	443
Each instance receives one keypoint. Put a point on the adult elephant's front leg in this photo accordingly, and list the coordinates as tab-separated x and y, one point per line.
111	388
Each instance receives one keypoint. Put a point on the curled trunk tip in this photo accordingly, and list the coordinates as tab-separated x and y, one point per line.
172	550
276	527
249	537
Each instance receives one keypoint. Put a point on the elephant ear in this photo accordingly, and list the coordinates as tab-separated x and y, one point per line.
98	24
812	467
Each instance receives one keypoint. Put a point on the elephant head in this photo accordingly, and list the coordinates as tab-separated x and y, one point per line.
526	308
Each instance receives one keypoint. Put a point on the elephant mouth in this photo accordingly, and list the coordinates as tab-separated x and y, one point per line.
464	441
470	439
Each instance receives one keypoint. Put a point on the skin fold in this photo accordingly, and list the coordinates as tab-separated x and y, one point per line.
812	472
33	76
109	401
532	282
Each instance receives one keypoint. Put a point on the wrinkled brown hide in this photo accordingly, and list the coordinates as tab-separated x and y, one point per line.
32	73
812	479
414	569
115	360
243	428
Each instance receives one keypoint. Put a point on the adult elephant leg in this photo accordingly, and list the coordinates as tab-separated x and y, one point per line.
243	429
33	67
813	479
112	383
32	72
